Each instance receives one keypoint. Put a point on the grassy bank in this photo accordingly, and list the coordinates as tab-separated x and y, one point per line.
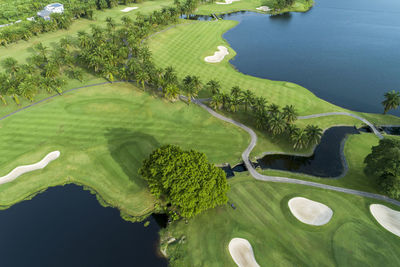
103	134
250	5
351	238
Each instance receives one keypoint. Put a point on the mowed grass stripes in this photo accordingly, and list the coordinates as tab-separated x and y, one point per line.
103	134
262	216
185	47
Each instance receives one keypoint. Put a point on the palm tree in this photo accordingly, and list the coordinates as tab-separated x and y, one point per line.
196	83
289	114
260	104
11	65
261	119
236	91
41	50
83	39
216	101
273	109
300	139
247	99
3	87
392	101
314	134
171	91
141	77
191	85
213	86
235	101
276	125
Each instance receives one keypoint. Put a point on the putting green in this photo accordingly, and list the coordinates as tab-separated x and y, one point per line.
262	216
103	134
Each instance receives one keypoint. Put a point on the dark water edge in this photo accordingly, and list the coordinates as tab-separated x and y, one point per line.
346	52
66	226
327	161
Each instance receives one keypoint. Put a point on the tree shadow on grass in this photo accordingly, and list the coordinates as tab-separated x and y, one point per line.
129	148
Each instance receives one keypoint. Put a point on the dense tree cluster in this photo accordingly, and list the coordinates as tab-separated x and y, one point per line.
384	162
44	70
114	52
74	9
267	117
184	181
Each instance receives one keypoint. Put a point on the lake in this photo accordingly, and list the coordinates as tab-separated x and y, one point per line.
66	226
346	52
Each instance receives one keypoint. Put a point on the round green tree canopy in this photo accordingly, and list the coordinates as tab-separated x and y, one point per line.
185	180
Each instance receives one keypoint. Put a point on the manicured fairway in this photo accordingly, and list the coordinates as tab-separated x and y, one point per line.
262	216
103	134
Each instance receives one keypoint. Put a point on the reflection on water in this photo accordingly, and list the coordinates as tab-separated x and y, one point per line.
66	226
325	162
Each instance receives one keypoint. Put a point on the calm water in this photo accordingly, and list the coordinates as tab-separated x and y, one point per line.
325	162
66	226
345	51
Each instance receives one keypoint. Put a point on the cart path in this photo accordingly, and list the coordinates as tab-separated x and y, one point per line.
258	176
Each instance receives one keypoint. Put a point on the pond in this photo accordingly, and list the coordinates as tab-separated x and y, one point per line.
346	52
326	161
66	226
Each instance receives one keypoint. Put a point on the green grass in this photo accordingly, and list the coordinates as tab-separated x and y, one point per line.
351	238
185	46
357	147
22	49
251	5
103	134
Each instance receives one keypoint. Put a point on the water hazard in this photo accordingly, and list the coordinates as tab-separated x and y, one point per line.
327	161
66	226
346	52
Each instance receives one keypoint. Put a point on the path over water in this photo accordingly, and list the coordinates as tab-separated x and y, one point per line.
258	176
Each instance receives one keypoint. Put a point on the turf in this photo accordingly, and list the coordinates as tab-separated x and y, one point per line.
351	238
251	5
357	147
185	46
22	49
103	134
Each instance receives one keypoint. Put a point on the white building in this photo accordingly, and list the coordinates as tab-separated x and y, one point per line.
50	9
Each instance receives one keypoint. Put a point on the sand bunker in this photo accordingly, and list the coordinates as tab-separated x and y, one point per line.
227	2
310	212
242	253
127	9
388	218
263	8
218	56
28	168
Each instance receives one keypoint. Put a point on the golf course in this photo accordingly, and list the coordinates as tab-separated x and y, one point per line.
101	131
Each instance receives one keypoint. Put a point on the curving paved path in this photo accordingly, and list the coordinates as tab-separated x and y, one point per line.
258	176
376	132
246	153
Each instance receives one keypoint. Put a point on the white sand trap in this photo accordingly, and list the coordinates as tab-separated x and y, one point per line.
242	253
263	8
218	56
310	212
227	2
388	218
14	174
127	9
